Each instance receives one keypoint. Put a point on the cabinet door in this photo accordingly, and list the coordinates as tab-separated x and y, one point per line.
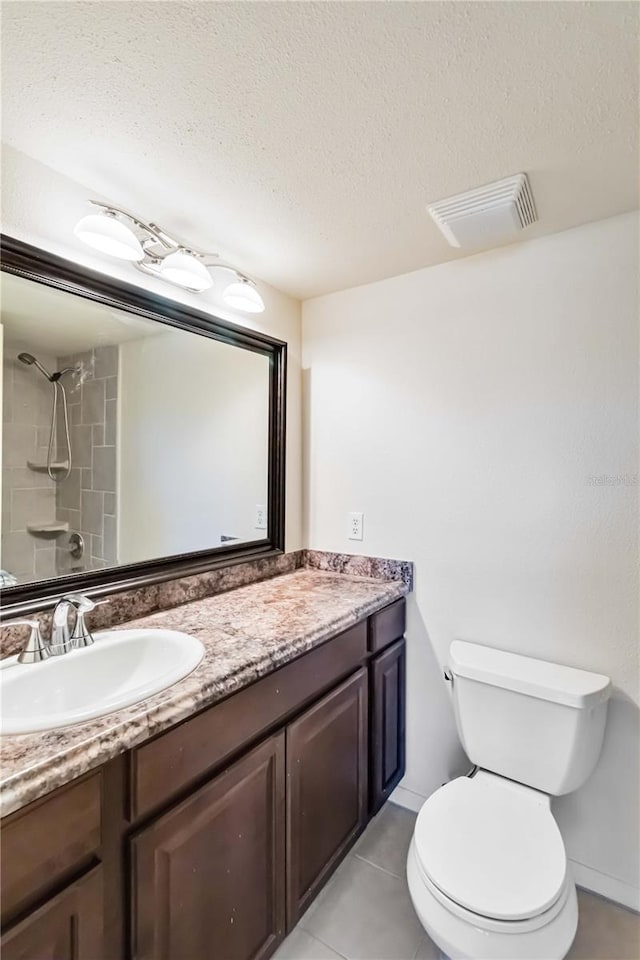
67	927
208	877
387	723
327	789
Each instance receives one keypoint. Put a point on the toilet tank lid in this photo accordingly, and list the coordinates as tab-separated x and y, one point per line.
535	678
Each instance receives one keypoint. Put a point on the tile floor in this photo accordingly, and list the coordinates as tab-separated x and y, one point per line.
365	913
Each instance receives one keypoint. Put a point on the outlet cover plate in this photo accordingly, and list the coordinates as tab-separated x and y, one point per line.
356	526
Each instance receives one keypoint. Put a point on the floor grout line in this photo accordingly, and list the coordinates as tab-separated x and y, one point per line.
377	866
325	944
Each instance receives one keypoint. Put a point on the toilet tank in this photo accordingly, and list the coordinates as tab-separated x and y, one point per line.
532	721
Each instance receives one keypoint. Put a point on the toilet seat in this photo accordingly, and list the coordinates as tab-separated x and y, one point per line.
462	935
487	924
492	847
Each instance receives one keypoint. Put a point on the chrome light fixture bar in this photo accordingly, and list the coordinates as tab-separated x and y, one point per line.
150	249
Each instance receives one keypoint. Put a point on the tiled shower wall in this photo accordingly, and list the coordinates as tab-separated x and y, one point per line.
87	499
27	497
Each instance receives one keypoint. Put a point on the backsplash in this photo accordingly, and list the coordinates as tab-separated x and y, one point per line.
131	604
377	568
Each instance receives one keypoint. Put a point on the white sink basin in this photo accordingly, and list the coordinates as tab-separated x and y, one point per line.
122	667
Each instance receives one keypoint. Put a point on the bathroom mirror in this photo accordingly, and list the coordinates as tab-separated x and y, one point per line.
140	440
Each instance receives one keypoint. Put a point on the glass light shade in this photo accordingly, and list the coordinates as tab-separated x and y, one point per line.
242	295
109	235
186	271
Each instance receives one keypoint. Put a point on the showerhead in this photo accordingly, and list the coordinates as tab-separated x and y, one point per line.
29	359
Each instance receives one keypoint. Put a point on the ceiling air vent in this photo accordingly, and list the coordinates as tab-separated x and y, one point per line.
489	216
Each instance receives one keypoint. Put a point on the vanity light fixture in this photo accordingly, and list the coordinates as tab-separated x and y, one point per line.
185	270
243	295
105	233
151	250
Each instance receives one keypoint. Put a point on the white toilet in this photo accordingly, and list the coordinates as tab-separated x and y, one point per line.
487	868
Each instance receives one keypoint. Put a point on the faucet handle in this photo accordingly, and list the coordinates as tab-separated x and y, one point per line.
82	636
82	603
35	648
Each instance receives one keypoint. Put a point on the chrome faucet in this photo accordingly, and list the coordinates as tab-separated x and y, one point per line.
63	639
60	633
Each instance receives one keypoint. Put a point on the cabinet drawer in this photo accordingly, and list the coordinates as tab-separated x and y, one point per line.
68	926
163	768
387	625
48	841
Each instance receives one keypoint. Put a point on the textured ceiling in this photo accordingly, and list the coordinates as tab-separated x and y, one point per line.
304	140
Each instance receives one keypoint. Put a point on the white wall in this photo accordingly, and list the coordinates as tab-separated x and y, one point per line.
465	409
2	412
42	207
193	444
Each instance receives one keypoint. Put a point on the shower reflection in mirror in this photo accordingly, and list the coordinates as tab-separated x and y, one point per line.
60	468
123	439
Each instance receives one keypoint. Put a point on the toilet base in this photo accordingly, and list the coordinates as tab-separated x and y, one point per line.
460	939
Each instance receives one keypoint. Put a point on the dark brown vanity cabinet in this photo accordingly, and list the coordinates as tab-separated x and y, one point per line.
387	763
326	789
208	876
52	890
68	926
209	841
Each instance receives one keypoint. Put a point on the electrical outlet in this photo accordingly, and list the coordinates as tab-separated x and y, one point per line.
261	517
356	524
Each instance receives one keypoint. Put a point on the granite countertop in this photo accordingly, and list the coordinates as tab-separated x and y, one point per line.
246	633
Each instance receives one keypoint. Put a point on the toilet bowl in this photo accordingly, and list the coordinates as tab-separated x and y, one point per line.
487	869
488	874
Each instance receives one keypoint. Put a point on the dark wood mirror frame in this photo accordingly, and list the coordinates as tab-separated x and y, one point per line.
24	260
